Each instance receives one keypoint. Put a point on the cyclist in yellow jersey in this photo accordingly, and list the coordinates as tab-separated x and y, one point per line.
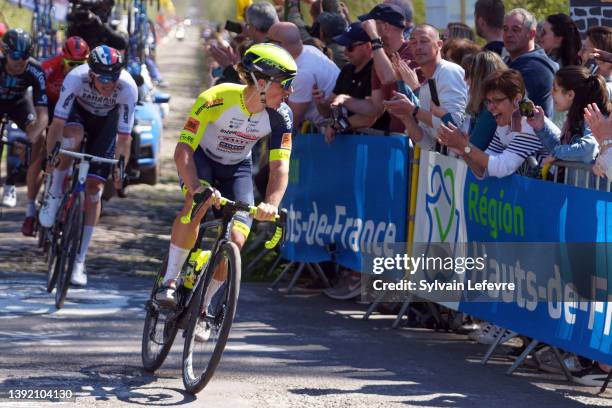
215	149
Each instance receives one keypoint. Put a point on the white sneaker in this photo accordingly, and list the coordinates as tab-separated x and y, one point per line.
202	332
79	277
47	214
165	297
9	197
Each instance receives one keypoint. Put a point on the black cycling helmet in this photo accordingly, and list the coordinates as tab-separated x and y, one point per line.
270	62
106	63
17	43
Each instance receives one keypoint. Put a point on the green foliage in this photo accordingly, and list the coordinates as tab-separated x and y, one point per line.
221	11
540	8
15	17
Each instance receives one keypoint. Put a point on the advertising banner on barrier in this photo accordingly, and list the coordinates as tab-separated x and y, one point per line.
351	193
545	248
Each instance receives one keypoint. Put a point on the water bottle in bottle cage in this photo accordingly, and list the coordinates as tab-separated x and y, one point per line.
197	260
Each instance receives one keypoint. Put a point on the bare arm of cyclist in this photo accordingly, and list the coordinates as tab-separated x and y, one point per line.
36	128
185	165
55	133
281	122
277	184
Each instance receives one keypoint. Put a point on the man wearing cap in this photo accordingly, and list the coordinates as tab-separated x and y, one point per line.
406	6
354	81
384	25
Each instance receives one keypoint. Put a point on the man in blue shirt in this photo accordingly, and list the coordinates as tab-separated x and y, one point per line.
537	69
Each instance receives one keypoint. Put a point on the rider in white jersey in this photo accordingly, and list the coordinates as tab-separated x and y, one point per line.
79	86
98	99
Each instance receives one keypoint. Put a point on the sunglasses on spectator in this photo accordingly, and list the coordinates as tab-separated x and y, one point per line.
18	55
494	101
71	63
271	41
351	47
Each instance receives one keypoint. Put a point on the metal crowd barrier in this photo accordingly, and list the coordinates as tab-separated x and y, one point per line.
580	175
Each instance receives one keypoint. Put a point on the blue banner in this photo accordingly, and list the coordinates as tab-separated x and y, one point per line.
552	241
548	303
351	193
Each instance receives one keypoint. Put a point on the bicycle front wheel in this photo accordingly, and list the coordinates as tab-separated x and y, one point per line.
159	330
209	325
53	259
71	241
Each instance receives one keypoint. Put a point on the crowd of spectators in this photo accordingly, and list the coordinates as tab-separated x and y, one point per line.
534	93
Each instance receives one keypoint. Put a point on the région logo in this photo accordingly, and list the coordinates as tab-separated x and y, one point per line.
441	207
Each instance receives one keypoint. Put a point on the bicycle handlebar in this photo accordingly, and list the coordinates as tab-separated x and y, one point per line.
57	150
88	157
200	199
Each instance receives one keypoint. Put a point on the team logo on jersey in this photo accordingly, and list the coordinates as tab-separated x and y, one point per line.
209	104
68	101
286	141
230	148
213	103
192	125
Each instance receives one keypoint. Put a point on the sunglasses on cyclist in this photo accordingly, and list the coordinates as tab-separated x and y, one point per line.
71	63
351	48
286	84
107	79
18	55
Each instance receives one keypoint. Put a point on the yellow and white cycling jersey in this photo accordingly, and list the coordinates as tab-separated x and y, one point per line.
223	127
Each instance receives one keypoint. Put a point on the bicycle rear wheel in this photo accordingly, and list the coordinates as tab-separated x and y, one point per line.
159	332
72	232
200	359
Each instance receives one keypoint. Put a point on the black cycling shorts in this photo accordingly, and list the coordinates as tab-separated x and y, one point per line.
21	111
101	133
233	181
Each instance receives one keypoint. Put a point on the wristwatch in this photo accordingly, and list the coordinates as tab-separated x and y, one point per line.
467	150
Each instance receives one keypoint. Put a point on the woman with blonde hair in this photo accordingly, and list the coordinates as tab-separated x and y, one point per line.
480	124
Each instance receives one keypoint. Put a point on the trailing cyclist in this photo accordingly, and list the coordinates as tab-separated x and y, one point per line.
74	53
18	71
214	149
97	99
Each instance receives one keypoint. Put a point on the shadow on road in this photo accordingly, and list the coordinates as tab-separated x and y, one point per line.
128	384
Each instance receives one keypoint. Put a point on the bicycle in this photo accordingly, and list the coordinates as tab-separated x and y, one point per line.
138	29
44	28
66	233
212	250
13	144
